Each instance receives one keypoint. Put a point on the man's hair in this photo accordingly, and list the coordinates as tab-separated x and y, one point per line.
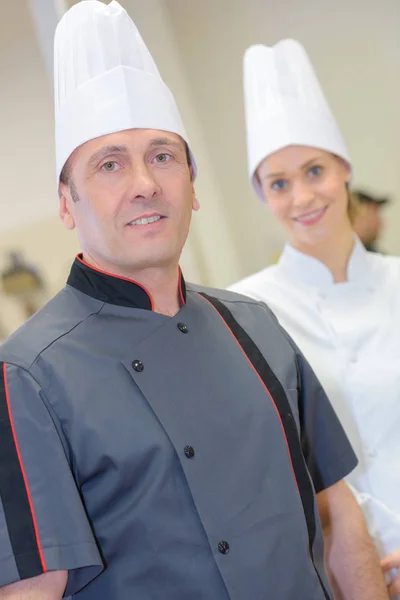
188	156
65	175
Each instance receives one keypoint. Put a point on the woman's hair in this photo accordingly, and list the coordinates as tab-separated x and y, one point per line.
353	206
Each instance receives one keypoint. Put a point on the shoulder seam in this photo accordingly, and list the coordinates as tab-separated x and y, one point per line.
249	301
228	300
63	335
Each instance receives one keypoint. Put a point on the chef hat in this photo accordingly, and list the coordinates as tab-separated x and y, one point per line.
105	79
285	105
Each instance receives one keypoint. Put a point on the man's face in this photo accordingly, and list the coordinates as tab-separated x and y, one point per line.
368	222
130	197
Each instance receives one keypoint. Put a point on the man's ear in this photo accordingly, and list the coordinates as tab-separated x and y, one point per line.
66	203
195	202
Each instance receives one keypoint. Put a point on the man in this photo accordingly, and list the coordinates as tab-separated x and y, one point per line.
157	441
368	222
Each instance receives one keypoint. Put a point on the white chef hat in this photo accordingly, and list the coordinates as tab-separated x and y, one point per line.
105	79
285	105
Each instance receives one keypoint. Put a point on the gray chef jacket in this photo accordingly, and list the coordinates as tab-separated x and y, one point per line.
163	458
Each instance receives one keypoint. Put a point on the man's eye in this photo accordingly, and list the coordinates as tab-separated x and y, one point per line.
110	166
162	158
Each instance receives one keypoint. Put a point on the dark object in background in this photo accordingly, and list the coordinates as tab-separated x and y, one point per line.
23	282
367	222
365	198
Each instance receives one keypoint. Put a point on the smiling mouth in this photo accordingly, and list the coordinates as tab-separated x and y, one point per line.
146	220
311	217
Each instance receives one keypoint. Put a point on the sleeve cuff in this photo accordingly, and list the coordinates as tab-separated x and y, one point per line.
82	561
342	467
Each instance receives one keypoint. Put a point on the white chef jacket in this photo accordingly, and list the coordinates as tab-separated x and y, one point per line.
350	334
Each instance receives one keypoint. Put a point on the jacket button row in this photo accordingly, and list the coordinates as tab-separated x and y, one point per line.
138	366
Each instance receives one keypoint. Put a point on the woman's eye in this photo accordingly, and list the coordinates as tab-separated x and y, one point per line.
279	185
315	171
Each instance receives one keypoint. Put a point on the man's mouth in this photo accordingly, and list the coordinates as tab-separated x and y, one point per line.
146	220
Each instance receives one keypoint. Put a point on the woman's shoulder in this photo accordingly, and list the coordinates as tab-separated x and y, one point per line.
387	263
266	285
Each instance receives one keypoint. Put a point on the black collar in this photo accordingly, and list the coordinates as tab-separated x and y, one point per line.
112	288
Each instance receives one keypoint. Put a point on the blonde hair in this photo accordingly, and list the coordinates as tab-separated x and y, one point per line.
354	207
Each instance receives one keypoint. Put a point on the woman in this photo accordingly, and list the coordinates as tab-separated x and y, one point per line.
340	303
393	562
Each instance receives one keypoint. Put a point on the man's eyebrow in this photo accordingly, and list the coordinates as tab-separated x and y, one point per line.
165	141
97	156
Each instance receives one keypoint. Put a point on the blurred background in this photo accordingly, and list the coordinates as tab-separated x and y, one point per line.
198	46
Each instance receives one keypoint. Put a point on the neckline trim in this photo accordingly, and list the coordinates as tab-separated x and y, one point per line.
309	270
115	289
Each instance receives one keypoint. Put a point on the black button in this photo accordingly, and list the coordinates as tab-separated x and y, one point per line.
138	365
183	328
189	451
223	547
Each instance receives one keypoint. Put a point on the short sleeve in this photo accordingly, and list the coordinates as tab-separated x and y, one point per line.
43	523
326	449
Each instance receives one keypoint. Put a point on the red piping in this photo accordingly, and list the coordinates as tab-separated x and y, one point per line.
183	301
21	464
263	384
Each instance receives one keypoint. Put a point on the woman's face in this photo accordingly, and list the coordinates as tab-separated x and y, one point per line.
305	189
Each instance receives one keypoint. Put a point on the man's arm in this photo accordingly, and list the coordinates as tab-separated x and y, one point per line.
49	586
43	522
351	561
393	562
